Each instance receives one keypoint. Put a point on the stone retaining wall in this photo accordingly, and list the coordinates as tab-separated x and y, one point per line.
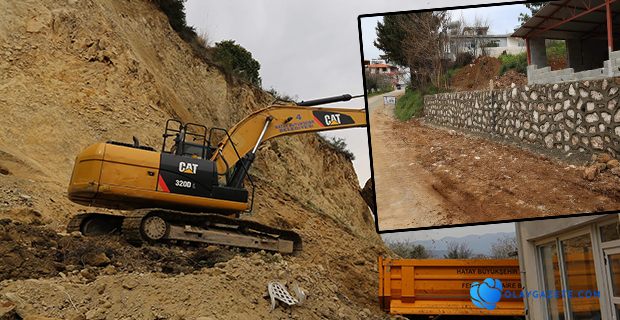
576	116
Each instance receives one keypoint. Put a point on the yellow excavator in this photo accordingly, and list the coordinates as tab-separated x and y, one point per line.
193	190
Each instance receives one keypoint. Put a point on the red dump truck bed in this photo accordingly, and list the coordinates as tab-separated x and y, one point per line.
442	286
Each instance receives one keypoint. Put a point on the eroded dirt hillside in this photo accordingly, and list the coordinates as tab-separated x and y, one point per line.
76	72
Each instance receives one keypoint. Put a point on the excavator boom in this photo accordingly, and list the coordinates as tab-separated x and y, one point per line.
280	120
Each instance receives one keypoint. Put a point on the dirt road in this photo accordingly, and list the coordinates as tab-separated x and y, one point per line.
428	176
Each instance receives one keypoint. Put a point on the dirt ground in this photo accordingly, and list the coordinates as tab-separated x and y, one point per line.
427	176
73	73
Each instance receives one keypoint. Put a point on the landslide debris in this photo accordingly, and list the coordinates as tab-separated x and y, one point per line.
34	251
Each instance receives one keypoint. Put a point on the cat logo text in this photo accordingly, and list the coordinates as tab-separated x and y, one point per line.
332	119
190	168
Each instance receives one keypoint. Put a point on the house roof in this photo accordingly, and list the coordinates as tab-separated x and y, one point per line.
570	19
380	65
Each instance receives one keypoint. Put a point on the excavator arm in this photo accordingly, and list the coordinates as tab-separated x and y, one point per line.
274	121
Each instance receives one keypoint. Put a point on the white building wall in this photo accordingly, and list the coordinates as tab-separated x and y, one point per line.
531	234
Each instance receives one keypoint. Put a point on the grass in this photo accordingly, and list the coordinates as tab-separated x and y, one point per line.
517	62
411	104
451	72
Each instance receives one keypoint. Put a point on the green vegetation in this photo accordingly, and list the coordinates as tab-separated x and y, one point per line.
534	7
411	104
236	60
409	250
517	62
175	11
556	50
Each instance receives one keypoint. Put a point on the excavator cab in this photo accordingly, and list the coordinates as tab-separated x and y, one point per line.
189	140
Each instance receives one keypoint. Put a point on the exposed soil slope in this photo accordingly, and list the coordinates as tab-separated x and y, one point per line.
478	76
76	72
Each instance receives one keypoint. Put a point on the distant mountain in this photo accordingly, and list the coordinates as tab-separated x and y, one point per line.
479	244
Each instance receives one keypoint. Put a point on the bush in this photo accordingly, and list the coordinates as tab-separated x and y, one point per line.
517	62
237	60
409	250
339	145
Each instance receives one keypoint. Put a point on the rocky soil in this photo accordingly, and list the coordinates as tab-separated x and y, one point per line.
81	71
463	178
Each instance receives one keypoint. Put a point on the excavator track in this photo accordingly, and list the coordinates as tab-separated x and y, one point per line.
162	225
93	224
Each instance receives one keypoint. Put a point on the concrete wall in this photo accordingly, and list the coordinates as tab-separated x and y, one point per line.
497	51
583	64
567	117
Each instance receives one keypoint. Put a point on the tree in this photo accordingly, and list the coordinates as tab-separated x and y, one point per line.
533	7
503	248
480	42
409	250
418	41
237	60
458	251
426	35
390	37
377	82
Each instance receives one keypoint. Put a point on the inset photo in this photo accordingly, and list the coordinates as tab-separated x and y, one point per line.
493	113
560	268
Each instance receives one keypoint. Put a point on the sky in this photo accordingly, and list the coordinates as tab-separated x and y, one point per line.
308	49
437	234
